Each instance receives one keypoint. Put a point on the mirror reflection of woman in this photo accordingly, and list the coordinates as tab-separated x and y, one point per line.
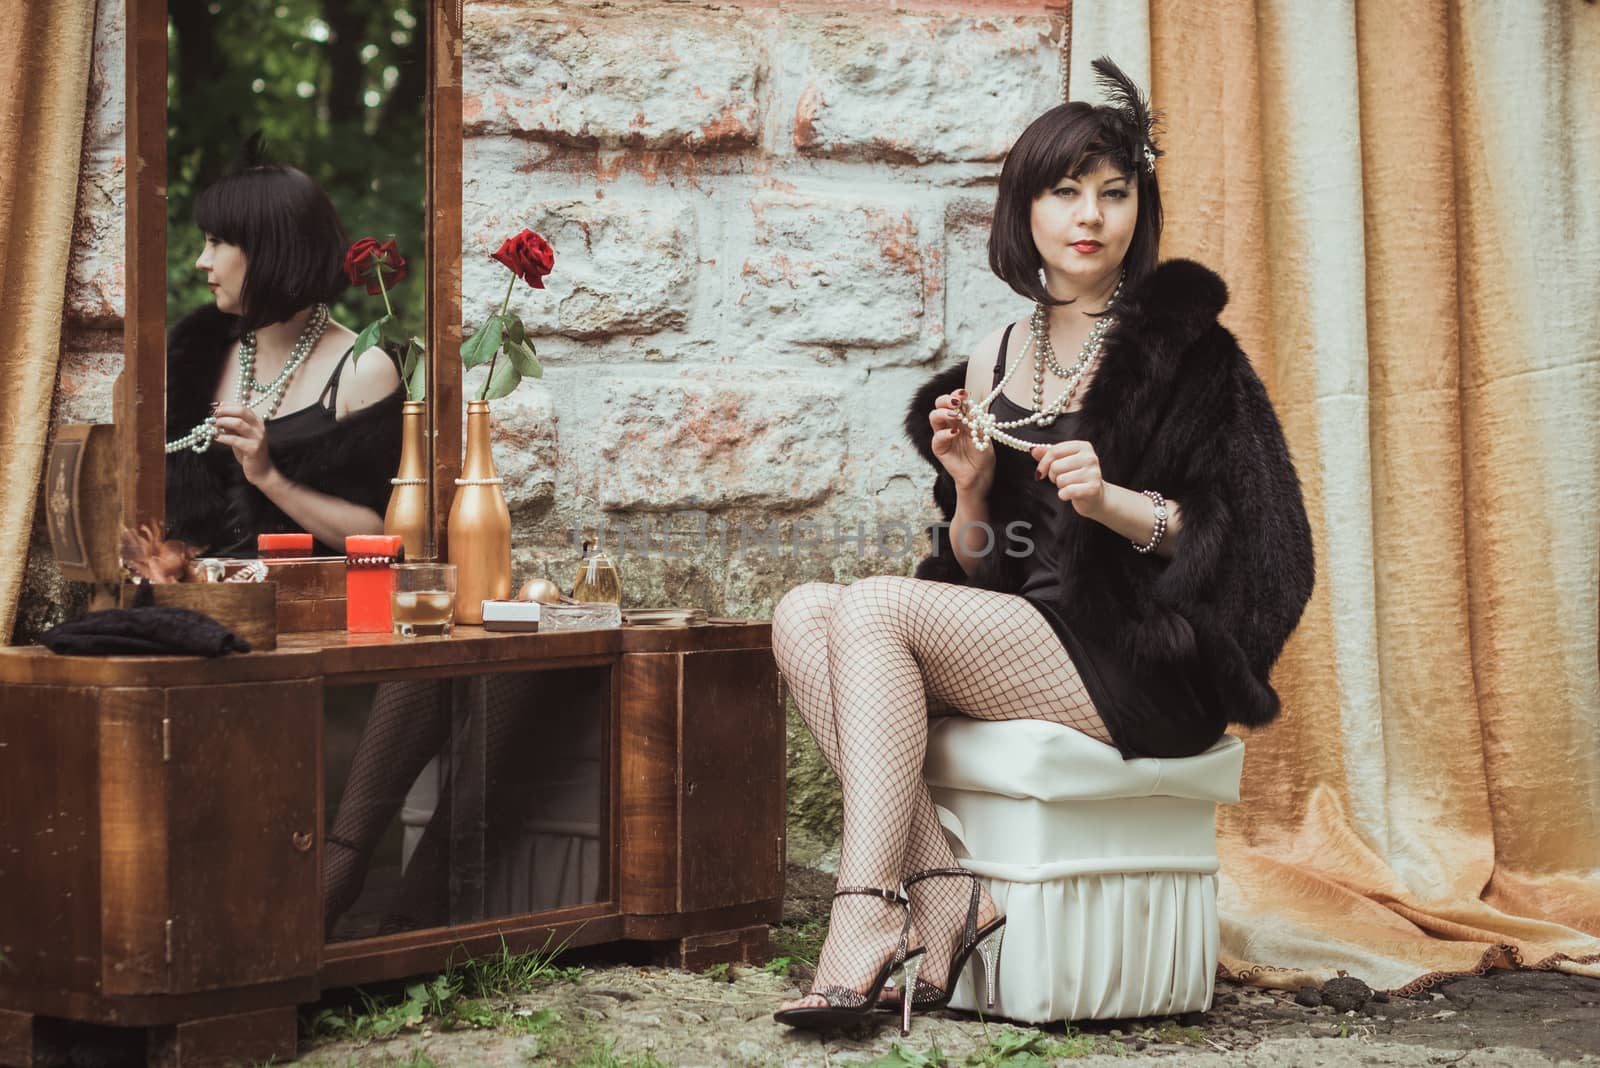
273	425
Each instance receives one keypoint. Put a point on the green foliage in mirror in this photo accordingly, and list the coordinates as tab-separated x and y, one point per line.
339	89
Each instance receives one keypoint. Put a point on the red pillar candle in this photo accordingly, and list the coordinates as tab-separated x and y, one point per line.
282	546
368	582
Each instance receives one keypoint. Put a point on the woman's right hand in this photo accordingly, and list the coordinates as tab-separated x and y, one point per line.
972	468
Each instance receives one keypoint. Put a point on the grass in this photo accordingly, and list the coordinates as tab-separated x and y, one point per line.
1178	1035
801	942
1008	1047
460	997
583	1046
417	1058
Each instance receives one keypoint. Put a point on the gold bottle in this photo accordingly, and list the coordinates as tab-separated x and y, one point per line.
407	515
597	577
479	528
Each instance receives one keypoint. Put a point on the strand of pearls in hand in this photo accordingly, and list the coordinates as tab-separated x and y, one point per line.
984	427
200	438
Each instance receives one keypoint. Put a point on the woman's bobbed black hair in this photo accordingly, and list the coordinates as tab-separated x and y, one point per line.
289	232
1069	141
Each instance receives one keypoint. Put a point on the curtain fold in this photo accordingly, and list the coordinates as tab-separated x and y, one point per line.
1400	194
44	84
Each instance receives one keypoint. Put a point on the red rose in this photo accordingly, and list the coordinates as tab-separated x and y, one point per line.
529	256
367	257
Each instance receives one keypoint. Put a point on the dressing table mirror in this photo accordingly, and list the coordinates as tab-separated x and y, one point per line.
275	123
295	185
177	855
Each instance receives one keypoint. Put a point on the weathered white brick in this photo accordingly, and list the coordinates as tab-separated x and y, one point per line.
675	79
622	266
525	445
975	301
837	270
96	280
84	378
922	88
702	441
106	118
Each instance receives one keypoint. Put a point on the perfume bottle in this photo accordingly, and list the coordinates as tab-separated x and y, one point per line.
597	577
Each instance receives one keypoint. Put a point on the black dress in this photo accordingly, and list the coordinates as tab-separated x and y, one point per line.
209	501
1147	714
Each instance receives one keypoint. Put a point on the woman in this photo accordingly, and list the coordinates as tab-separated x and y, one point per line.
272	426
1126	553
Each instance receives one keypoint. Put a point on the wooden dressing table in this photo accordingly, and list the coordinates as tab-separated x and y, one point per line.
159	856
163	831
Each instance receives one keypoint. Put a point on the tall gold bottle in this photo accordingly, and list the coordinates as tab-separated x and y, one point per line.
479	527
407	515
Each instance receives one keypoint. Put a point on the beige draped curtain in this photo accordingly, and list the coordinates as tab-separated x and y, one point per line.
1404	196
44	83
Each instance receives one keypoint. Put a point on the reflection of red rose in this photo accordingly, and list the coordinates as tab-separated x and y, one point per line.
367	257
529	256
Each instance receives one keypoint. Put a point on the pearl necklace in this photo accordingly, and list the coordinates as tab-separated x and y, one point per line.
200	438
982	424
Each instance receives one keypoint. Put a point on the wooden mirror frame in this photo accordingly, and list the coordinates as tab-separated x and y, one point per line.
139	406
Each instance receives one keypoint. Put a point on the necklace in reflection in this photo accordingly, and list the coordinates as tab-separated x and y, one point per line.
205	432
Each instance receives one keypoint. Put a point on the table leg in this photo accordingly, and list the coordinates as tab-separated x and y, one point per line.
743	945
248	1038
16	1039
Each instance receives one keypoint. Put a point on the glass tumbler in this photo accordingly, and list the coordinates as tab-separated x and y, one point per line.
424	599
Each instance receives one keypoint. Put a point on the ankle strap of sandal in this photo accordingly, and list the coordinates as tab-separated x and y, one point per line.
970	931
894	897
930	873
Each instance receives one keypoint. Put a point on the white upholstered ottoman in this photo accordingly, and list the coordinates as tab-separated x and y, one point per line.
1105	869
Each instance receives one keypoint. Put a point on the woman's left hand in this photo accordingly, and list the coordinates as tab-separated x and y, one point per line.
243	431
1074	467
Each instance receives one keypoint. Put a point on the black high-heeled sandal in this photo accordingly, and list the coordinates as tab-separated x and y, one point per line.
846	1007
928	997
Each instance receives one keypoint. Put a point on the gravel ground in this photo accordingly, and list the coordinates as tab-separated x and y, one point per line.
626	1016
649	1016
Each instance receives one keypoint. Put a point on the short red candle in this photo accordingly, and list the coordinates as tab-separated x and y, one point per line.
280	546
368	582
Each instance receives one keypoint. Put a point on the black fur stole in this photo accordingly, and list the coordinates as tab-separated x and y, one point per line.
209	502
1174	406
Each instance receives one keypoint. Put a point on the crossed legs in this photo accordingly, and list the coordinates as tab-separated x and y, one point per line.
865	662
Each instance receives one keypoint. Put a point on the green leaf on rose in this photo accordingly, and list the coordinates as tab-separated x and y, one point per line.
414	370
503	378
522	356
514	328
368	338
481	346
392	332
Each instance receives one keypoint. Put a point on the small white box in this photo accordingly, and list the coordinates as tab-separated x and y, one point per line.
511	615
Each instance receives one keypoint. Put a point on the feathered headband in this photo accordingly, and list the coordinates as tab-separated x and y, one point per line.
1124	96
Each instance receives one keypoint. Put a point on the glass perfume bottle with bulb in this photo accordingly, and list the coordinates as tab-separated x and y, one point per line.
597	576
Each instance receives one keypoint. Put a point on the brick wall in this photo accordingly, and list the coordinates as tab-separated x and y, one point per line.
770	225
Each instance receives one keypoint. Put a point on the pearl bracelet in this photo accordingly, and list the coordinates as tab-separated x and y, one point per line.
1160	530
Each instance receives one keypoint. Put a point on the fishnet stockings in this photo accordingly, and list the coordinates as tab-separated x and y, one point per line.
409	724
866	663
